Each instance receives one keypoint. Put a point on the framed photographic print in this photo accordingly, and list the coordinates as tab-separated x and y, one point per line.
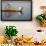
16	10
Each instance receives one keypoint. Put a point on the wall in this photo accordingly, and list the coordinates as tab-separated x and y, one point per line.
27	28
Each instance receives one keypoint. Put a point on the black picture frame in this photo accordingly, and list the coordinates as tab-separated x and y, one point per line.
17	20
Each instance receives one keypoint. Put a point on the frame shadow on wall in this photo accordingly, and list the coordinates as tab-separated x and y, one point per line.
16	10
